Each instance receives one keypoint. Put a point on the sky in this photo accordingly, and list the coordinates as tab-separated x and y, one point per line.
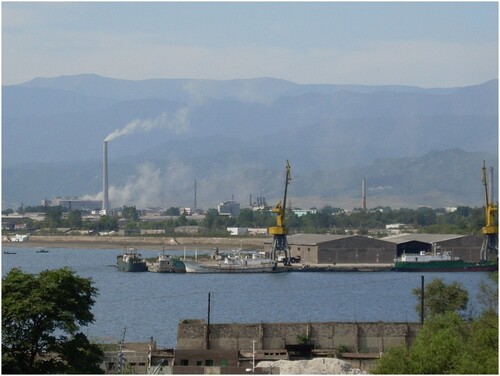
422	44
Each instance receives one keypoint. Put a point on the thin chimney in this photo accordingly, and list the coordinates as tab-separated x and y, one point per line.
195	208
105	200
363	194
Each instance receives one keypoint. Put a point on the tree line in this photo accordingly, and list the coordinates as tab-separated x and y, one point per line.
463	220
44	316
450	340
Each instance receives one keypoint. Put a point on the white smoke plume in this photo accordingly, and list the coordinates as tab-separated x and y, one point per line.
155	186
178	123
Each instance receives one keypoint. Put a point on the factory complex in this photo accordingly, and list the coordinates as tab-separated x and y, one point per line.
207	348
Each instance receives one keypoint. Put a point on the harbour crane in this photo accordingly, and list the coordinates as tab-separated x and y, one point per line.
490	230
279	232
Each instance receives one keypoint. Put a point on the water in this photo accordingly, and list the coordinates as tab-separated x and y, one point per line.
152	304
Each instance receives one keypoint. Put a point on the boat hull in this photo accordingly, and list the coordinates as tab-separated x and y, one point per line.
127	263
167	266
195	267
446	266
132	266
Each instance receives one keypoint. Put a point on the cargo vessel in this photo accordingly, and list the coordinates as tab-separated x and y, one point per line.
130	261
167	264
233	264
440	262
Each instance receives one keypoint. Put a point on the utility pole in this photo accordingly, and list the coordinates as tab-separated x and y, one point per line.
422	293
120	354
208	324
253	356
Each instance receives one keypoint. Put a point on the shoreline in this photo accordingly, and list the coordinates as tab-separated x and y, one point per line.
170	243
149	243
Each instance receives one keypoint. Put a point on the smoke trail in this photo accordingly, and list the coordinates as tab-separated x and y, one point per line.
178	123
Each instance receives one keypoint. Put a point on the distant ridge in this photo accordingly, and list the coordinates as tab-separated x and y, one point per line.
234	136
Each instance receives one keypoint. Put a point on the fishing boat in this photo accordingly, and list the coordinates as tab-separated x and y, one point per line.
440	262
233	264
42	250
167	264
130	261
9	253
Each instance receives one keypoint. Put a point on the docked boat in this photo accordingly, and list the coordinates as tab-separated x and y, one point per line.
167	264
440	262
233	264
131	261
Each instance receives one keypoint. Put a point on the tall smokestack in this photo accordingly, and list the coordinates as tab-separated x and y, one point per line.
105	200
195	195
363	194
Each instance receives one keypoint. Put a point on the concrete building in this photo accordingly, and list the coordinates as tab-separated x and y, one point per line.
302	212
229	208
467	247
339	249
360	343
74	203
237	230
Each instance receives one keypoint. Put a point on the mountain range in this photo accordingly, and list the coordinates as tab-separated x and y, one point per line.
414	146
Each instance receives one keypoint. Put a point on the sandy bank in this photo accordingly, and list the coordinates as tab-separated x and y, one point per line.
114	242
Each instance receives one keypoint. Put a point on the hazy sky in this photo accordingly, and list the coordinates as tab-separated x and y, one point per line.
423	44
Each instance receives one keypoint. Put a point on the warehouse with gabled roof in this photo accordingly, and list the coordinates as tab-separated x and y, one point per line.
466	247
340	249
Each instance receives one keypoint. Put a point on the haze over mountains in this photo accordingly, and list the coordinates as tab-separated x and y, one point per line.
414	146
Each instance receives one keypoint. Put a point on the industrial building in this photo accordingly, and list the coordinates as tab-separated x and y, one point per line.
229	208
467	247
339	249
357	249
74	203
237	348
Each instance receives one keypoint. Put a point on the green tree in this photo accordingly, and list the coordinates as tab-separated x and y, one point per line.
182	220
75	219
53	216
245	219
41	320
447	344
441	298
173	212
107	223
130	212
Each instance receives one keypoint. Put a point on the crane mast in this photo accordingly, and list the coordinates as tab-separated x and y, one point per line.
490	230
279	232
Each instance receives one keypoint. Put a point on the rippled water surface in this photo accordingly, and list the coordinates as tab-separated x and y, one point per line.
151	304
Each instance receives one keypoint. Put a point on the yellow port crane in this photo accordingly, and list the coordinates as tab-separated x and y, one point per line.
490	230
279	232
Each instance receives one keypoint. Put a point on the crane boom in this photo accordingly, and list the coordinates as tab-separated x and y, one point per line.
490	229
279	232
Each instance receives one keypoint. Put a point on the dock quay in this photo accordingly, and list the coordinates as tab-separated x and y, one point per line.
240	348
336	268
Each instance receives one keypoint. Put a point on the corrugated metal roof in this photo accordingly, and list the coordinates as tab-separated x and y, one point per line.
424	238
313	239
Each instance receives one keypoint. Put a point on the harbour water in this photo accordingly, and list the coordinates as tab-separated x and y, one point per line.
152	304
